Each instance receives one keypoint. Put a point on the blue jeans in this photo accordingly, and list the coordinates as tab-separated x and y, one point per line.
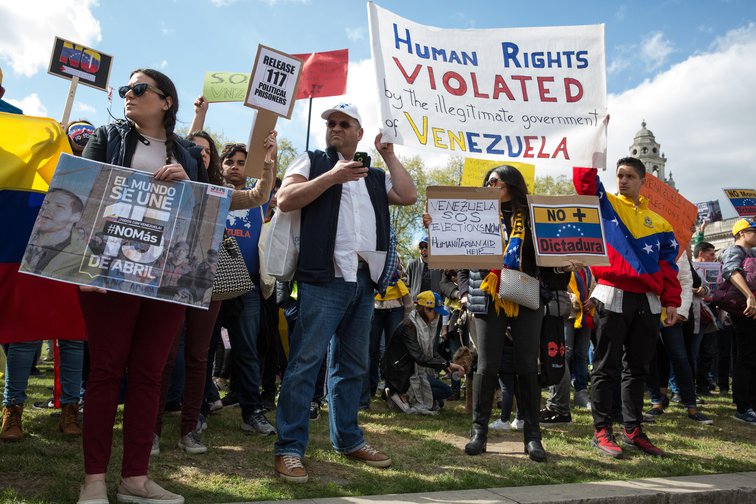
691	345
440	390
20	359
243	332
383	324
339	312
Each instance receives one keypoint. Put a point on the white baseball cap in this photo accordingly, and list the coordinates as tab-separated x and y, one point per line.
345	108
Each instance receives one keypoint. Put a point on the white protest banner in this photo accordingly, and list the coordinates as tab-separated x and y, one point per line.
511	93
121	229
465	229
711	272
274	82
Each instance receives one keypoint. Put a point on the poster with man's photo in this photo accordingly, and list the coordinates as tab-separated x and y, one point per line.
125	231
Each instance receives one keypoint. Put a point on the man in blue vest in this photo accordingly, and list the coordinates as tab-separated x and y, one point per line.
345	234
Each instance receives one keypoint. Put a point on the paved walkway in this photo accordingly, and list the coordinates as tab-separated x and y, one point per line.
736	488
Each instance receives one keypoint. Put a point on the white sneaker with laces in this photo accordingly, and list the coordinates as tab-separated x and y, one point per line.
191	444
517	424
499	425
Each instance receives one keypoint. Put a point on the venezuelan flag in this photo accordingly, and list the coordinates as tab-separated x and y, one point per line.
31	308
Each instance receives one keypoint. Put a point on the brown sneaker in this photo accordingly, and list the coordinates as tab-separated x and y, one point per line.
370	456
290	468
68	423
152	493
94	493
11	430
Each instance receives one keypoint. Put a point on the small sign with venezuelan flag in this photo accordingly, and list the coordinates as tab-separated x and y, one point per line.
567	227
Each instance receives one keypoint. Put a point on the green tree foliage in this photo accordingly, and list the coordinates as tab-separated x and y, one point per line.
549	185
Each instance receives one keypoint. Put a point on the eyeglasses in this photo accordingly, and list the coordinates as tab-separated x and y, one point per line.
492	182
139	90
422	246
342	124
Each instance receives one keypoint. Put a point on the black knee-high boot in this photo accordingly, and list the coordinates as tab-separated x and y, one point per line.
483	389
530	402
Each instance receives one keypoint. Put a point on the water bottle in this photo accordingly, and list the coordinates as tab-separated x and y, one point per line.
456	375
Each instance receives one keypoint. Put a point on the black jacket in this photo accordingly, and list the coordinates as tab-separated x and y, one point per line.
398	361
116	143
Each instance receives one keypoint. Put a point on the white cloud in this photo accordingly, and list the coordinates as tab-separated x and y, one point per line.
161	65
355	34
84	108
31	105
28	33
621	12
701	111
271	3
654	51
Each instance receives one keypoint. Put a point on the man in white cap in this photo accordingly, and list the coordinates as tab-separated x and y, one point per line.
344	255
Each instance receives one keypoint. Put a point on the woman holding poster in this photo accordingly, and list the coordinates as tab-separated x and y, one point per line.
479	290
130	332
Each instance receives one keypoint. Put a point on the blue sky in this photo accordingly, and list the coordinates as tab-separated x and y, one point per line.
687	67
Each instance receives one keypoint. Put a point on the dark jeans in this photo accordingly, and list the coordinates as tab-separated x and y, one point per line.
625	341
243	331
440	390
197	335
675	350
706	355
267	348
725	361
384	322
744	375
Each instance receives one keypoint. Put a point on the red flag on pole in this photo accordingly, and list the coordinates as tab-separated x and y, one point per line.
323	74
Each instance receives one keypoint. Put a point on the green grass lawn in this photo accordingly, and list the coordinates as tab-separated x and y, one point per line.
427	454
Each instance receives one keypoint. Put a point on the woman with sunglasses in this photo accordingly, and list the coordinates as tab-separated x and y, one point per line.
479	292
129	332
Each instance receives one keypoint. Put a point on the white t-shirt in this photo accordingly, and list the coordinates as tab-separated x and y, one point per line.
355	232
149	158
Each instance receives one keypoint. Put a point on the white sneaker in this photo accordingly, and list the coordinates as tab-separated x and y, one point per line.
155	445
581	399
215	406
191	444
517	424
397	399
499	425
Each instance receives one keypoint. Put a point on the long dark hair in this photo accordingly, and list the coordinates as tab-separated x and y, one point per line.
165	85
516	186
214	170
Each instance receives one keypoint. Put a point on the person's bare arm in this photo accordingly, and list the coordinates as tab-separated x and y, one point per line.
200	111
403	191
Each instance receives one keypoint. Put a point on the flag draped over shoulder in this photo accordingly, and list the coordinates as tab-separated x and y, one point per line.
31	308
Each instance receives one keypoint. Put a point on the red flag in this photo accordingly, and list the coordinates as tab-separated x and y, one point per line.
323	74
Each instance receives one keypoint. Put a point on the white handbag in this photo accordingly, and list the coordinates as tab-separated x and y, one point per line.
520	288
282	245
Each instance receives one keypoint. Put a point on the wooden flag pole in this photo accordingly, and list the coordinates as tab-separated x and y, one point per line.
69	100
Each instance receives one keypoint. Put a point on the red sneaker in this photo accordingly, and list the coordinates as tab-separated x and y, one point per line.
603	441
637	439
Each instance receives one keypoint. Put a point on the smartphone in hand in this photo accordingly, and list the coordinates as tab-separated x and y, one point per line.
362	157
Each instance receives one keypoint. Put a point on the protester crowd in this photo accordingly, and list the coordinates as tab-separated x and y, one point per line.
361	327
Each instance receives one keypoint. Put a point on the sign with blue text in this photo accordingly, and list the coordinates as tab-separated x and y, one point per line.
533	95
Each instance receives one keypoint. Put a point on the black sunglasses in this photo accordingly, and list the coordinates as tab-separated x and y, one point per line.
492	182
139	90
343	124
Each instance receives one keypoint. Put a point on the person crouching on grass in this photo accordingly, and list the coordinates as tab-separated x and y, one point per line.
410	362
